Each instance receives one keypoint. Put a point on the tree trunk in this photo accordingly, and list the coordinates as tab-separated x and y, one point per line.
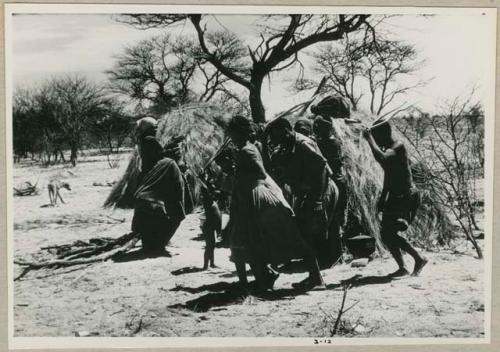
256	106
74	154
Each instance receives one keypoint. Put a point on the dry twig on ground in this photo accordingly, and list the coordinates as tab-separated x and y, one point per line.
95	250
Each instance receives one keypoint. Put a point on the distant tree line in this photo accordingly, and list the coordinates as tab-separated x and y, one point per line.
66	113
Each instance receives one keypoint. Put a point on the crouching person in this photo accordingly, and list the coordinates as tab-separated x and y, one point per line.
159	206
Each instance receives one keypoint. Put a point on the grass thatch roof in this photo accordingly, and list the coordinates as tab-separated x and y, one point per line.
364	185
201	125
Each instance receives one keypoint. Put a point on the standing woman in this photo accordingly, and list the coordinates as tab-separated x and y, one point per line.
263	228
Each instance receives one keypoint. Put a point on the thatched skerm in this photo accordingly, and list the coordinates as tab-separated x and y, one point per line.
201	125
431	225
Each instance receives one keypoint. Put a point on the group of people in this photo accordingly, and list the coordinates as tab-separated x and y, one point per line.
288	198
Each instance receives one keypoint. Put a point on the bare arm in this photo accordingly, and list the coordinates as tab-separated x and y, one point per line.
383	195
380	155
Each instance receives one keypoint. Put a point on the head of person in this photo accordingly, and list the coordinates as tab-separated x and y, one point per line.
323	127
332	106
256	132
304	127
146	126
225	160
280	130
382	134
240	130
173	149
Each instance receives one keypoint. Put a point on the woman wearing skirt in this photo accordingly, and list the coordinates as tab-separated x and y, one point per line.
263	228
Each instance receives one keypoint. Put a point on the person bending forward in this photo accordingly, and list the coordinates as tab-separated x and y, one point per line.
159	206
263	228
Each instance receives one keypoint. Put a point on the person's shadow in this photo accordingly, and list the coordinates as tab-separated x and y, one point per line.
187	270
360	280
227	293
139	254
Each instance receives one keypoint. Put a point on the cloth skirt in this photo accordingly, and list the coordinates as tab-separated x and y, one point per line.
263	225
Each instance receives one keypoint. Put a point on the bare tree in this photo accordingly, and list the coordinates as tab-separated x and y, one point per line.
110	128
155	73
374	67
164	71
36	126
231	53
449	148
342	65
23	112
77	102
282	38
63	113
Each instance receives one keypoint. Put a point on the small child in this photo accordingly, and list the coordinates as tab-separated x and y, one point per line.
211	226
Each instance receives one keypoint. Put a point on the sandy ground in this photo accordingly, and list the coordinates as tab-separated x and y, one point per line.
170	296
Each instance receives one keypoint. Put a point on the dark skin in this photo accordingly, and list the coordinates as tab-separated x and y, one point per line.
286	139
240	140
392	157
212	225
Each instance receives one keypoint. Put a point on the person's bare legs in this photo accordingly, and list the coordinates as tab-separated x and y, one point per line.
398	257
314	280
420	261
391	240
241	270
314	272
396	244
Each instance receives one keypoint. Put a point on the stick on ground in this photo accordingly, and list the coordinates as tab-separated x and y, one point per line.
92	254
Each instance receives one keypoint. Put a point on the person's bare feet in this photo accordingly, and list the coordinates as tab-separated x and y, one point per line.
419	265
399	273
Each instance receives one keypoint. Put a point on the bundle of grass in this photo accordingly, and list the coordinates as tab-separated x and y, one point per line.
202	127
431	226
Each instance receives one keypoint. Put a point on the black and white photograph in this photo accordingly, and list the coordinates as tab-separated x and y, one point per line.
249	175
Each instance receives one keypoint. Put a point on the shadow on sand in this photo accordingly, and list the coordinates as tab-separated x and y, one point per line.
139	255
360	280
187	270
227	293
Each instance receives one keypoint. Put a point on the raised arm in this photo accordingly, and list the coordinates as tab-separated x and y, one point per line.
380	155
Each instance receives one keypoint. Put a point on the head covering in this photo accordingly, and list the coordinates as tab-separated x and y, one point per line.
323	122
280	124
242	125
383	129
145	124
303	126
333	106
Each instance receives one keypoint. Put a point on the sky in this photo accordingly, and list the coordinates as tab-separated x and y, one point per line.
455	48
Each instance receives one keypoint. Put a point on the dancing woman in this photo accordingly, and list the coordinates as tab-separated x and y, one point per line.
263	227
